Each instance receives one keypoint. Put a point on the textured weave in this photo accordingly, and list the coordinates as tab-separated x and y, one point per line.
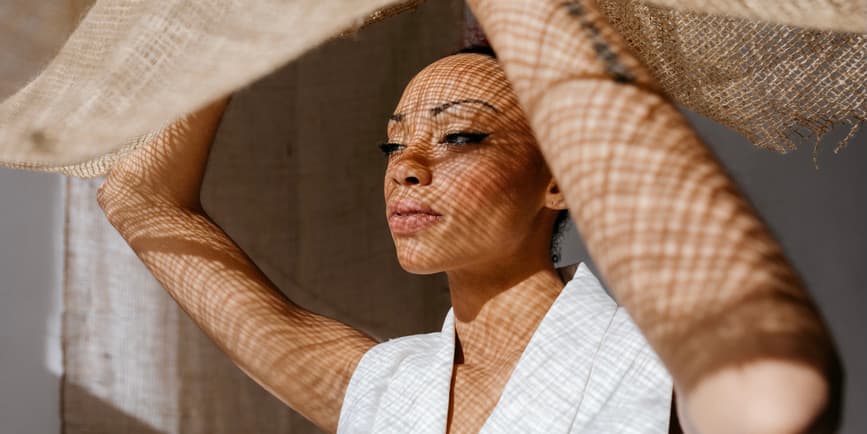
780	86
587	369
840	15
130	67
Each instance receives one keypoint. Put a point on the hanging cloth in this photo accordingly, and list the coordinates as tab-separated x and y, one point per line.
83	80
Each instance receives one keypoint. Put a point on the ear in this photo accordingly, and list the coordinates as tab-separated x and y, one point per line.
554	197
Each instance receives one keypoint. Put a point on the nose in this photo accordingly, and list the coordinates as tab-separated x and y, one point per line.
410	172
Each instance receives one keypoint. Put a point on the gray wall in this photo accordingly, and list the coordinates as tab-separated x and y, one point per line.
31	230
819	217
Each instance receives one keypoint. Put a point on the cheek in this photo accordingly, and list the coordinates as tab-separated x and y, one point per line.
495	192
490	199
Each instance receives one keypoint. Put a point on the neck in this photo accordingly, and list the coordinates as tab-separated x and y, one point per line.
497	308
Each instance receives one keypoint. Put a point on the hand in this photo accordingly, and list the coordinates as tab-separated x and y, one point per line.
167	169
545	43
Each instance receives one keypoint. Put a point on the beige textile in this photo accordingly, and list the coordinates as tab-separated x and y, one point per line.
135	364
779	86
839	15
132	66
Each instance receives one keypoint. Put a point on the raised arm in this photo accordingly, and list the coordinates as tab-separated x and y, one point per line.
152	198
684	252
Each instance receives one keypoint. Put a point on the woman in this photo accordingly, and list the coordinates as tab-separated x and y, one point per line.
468	193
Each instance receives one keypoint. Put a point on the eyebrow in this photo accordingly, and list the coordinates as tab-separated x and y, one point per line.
398	117
443	107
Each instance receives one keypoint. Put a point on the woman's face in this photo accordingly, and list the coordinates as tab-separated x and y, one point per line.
465	182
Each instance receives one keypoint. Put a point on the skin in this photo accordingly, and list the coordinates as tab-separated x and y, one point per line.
496	201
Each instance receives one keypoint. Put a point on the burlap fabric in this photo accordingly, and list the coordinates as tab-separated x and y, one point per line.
838	15
779	85
84	79
130	67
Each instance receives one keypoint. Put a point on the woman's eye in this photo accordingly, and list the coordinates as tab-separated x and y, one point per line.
390	148
464	138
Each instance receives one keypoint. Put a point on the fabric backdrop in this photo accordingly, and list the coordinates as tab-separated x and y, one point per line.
295	177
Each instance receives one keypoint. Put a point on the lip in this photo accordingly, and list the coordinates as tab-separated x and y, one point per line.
408	216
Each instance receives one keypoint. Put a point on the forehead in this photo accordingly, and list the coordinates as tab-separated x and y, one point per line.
459	77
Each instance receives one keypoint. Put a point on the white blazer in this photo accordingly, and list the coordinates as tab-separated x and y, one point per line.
586	369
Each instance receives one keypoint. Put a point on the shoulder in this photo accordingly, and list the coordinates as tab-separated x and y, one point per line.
624	387
622	347
382	358
631	380
390	376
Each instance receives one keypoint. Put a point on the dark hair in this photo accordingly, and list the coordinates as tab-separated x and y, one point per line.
478	49
560	225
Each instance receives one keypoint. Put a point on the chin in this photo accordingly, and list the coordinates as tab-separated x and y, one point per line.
416	260
419	267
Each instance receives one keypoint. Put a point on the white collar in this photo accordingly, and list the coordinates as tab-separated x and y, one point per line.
586	369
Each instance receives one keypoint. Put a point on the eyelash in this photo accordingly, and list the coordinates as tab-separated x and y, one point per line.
390	148
462	138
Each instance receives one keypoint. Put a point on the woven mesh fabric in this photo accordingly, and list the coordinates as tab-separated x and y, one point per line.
838	15
780	86
130	67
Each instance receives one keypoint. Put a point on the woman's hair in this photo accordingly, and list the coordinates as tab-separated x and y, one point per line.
562	220
478	49
560	225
